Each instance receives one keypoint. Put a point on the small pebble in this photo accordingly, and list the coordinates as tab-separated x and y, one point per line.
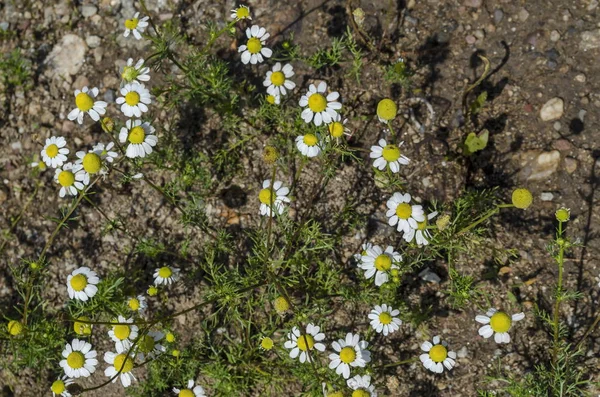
557	126
580	78
523	15
470	39
570	165
546	196
88	11
553	109
554	35
498	16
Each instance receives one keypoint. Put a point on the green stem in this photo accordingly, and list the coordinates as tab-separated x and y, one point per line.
556	322
16	221
489	214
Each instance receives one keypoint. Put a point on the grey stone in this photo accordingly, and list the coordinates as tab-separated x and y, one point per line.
88	10
473	3
462	352
498	15
523	15
553	109
546	196
571	165
543	166
554	35
427	275
93	41
67	57
590	40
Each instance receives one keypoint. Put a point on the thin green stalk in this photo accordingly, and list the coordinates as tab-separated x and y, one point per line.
556	322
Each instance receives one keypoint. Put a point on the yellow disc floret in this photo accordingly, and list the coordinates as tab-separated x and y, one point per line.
383	263
84	102
121	331
277	78
132	98
361	393
254	45
58	387
129	73
385	318
52	151
14	327
306	342
137	135
66	178
123	363
92	163
170	337
438	353
404	210
563	214
266	343
336	394
165	272
387	109
134	304
82	328
186	393
391	153
266	196
310	139
152	290
79	282
76	359
500	322
270	154
281	305
522	198
131	23
336	129
347	355
242	12
317	103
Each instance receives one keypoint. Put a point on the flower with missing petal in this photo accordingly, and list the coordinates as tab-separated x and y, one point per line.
497	323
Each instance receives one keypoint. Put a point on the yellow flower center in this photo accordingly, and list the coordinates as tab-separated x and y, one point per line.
132	98
271	99
170	337
134	304
66	178
404	210
242	12
265	196
391	153
165	272
58	387
121	331
336	129
387	109
14	327
500	322
522	198
82	328
254	45
75	360
52	151
277	78
152	290
303	339
266	343
385	318
91	163
361	393
310	139
123	363
147	344
84	102
347	355
336	394
129	73
136	134
79	281
281	304
383	263
131	23
438	353
186	393
317	103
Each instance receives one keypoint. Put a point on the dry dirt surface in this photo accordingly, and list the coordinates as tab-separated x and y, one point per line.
543	115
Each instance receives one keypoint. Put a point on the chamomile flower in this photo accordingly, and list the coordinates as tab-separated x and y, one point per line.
272	198
84	100
148	346
123	334
384	319
420	234
386	110
351	352
137	304
70	177
365	247
166	275
437	356
242	12
266	343
81	284
137	72
79	359
122	364
337	128
274	99
91	163
136	25
190	390
362	386
59	386
106	154
134	100
388	156
309	144
140	136
254	50
277	79
402	213
377	262
497	323
321	108
302	344
54	153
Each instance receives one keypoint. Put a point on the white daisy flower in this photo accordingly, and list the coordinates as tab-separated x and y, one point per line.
420	234
91	163
254	50
40	165
59	386
321	108
54	153
79	359
302	344
81	284
140	136
403	214
365	247
378	263
136	25
388	155
384	319
106	154
137	304
309	144
148	346
70	177
84	100
272	198
137	72
122	334
436	355
242	12
119	362
134	100
497	323
166	275
190	391
274	99
277	79
351	352
363	385
337	128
